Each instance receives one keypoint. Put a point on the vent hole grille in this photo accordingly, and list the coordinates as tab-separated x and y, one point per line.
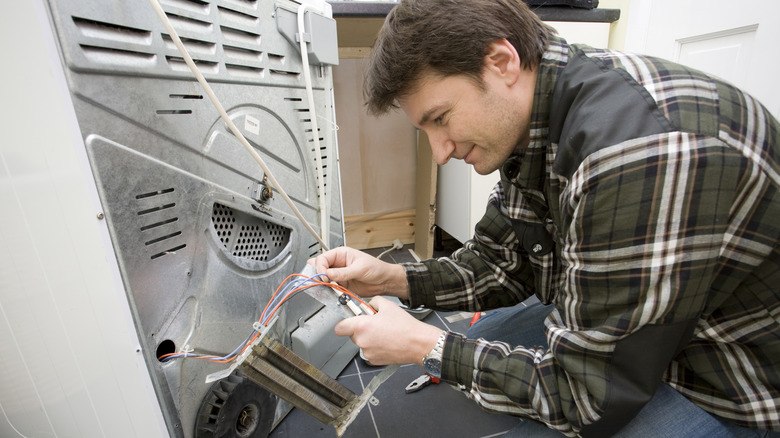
112	32
315	249
208	29
248	237
161	233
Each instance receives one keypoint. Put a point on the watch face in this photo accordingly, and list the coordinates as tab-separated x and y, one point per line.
433	366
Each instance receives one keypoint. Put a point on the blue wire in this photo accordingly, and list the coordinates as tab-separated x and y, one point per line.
278	298
286	291
227	356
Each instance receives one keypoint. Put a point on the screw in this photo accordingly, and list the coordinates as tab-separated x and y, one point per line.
266	194
100	215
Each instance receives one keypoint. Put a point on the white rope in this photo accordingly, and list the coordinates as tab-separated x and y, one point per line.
214	100
315	129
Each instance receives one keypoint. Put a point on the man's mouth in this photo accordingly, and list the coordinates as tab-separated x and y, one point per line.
467	157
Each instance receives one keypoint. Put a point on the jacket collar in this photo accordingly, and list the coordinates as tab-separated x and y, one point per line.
526	168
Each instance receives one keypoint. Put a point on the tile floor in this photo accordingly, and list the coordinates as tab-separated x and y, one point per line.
434	411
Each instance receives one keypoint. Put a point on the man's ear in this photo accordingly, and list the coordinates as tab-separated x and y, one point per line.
502	60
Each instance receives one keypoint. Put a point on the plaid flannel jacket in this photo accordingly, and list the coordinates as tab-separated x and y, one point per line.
646	210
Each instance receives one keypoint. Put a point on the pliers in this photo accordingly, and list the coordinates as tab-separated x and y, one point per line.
420	383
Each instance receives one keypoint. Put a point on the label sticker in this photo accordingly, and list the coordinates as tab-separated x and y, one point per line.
252	125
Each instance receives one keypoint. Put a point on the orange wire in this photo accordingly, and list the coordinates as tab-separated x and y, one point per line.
278	289
254	337
319	283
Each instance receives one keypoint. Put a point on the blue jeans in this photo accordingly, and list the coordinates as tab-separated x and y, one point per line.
667	414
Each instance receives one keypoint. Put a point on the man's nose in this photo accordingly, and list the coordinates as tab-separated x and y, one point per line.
442	147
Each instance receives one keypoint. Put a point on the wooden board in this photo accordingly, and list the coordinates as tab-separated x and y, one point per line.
379	230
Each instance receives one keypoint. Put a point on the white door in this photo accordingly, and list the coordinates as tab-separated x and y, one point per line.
735	40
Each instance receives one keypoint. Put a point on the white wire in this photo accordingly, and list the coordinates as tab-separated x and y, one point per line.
384	253
214	100
397	244
302	8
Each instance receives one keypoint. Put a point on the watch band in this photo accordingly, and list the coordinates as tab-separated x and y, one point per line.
432	360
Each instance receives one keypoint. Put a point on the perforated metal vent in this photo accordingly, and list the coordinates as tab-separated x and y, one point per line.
246	236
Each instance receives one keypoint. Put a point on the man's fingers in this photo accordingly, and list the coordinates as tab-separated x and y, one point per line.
336	275
377	302
337	257
321	264
346	327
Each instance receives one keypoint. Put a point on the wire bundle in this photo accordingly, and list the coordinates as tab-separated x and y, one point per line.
289	287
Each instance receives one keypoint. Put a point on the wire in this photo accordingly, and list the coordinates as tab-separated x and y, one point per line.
287	288
315	129
397	244
214	100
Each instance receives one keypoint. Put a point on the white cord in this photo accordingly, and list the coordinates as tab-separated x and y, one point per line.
191	64
397	244
385	252
315	129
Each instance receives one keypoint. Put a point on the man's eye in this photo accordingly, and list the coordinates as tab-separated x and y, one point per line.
439	120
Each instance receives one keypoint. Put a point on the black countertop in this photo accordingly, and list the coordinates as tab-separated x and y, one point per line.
361	9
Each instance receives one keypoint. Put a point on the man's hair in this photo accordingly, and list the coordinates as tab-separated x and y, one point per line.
446	37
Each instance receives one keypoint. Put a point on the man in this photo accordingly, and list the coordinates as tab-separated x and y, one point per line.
638	201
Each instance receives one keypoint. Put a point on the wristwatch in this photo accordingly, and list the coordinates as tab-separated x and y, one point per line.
432	360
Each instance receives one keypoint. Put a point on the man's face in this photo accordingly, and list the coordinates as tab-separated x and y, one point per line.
482	127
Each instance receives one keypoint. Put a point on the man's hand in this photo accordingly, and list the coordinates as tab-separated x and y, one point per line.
391	336
361	273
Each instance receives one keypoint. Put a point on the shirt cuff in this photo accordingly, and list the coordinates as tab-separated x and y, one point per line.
421	291
458	361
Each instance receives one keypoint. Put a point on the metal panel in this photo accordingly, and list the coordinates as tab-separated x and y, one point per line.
198	251
71	364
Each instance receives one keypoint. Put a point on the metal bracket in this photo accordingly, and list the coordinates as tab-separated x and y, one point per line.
213	377
306	37
262	191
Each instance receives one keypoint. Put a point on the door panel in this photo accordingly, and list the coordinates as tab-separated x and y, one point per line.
732	40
